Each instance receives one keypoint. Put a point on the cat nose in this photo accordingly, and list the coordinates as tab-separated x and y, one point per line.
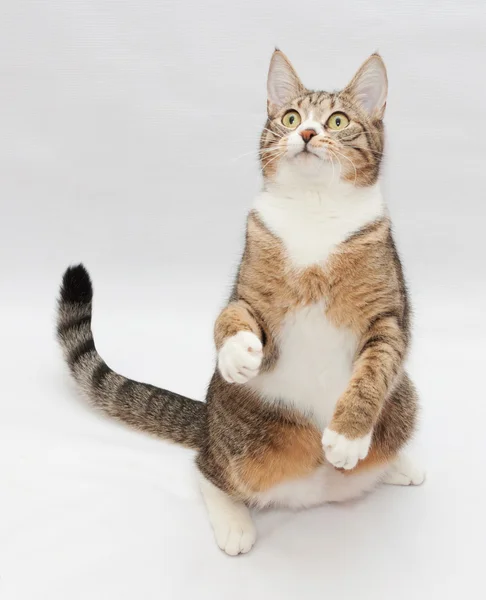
308	134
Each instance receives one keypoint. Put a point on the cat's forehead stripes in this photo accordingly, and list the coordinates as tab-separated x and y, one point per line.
315	102
355	144
361	144
323	104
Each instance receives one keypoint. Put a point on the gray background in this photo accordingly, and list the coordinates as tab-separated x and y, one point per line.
122	130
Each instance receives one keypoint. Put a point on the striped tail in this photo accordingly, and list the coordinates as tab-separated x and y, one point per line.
145	407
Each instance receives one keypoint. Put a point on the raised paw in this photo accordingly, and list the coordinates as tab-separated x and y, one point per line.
240	357
342	452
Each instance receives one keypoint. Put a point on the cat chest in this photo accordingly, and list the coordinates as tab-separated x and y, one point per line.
314	364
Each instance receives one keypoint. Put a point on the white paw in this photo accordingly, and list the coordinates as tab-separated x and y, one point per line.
231	520
235	534
342	452
240	357
404	472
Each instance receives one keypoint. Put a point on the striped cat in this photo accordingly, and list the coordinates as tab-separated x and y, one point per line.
309	402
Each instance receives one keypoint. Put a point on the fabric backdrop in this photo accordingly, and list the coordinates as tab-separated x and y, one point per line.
128	133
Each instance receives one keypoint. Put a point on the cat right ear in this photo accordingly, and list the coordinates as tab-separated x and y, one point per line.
283	84
370	86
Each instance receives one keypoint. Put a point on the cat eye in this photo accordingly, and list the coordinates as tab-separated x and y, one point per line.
337	121
291	119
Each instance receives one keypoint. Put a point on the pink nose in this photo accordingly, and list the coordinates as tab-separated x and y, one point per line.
308	134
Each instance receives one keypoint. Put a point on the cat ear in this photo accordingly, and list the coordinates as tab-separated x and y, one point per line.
283	84
370	86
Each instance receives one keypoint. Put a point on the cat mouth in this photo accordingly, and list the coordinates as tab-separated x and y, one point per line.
307	153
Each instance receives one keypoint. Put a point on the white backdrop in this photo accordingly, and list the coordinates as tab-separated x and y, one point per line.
122	126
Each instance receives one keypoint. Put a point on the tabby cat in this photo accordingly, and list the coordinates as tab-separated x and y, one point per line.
309	401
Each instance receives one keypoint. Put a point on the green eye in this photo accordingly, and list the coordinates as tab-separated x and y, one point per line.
291	119
338	121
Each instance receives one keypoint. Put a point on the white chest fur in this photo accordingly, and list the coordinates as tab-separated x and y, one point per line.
311	224
315	358
314	365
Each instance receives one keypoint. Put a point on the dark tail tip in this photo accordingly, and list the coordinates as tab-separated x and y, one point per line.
76	285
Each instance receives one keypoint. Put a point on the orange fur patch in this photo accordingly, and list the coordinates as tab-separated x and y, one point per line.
377	457
289	451
360	287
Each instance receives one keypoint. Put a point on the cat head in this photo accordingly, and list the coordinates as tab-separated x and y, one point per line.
324	136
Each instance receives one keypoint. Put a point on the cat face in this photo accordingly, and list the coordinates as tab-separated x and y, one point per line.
324	136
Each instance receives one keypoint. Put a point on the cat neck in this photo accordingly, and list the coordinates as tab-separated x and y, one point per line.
313	220
317	187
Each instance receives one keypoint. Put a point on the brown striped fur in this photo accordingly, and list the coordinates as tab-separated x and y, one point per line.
358	149
244	444
364	290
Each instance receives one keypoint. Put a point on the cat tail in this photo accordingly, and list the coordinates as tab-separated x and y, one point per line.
145	407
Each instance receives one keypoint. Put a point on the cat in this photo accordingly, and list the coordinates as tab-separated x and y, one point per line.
309	401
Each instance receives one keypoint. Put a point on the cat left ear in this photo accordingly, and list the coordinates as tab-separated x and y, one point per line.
370	86
283	84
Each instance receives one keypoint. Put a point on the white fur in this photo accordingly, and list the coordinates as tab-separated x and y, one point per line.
309	123
342	452
314	365
315	358
240	357
313	370
295	142
325	484
231	521
312	214
313	221
404	472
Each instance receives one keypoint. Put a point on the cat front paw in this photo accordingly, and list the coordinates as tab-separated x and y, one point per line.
240	357
342	452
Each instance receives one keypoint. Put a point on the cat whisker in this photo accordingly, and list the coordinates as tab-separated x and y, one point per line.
331	155
365	149
272	156
348	159
274	133
258	152
353	137
271	149
272	159
357	134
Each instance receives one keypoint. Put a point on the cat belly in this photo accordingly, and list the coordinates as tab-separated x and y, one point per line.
314	365
313	369
325	484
